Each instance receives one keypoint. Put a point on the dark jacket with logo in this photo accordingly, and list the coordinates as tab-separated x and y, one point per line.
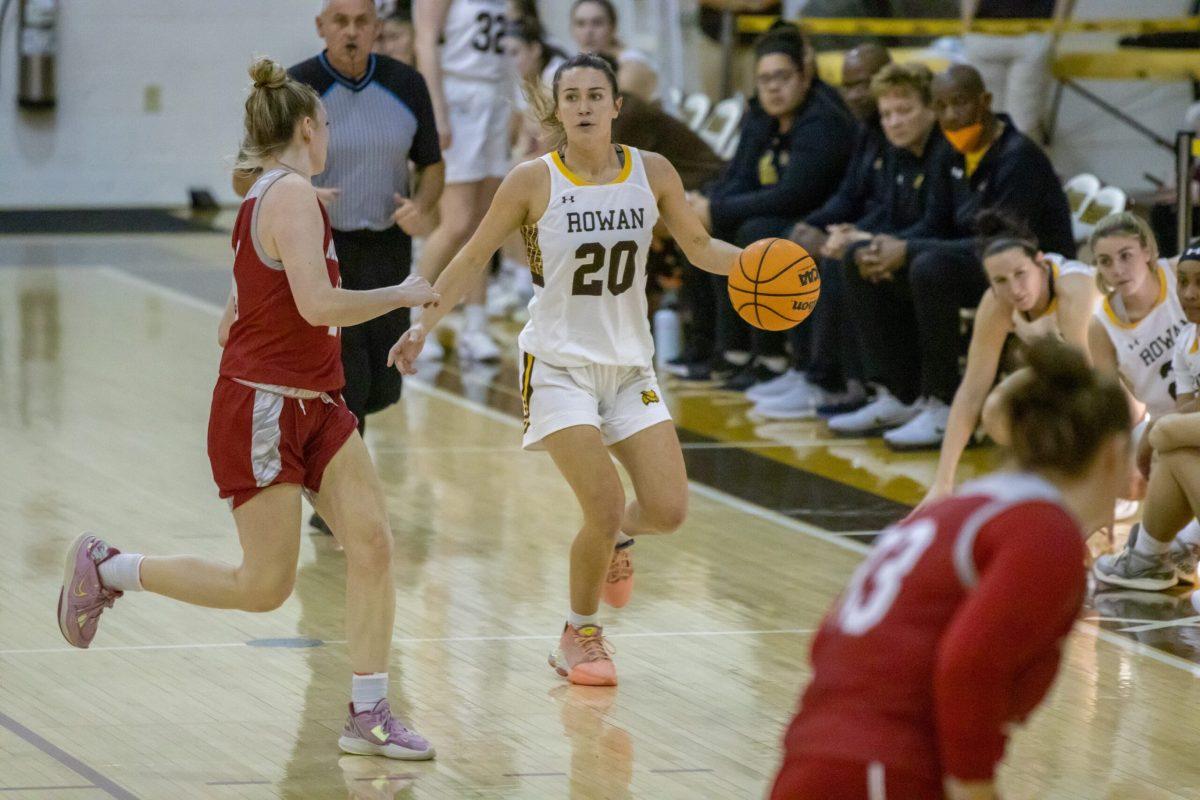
886	189
775	174
1014	176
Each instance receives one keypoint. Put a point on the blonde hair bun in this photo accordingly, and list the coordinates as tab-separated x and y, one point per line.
267	73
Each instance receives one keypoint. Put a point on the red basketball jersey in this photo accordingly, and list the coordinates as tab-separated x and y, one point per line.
948	632
270	342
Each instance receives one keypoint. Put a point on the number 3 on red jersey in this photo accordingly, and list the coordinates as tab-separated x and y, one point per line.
876	582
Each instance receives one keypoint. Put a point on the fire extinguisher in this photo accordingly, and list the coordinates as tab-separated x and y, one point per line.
36	46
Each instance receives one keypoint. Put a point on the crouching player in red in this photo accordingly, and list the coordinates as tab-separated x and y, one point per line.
951	629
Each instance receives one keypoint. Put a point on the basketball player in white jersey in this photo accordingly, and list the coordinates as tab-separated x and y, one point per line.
1031	295
461	54
1164	547
586	210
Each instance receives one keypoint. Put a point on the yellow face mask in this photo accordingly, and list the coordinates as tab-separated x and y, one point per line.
965	140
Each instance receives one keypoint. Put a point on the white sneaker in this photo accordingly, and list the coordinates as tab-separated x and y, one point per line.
776	386
477	345
924	431
433	350
881	414
799	403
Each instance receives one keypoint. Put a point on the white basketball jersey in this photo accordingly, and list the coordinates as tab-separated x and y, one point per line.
1187	362
1145	349
588	257
472	40
1029	330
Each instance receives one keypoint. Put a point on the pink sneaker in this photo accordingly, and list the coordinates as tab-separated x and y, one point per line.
584	657
83	598
378	733
618	584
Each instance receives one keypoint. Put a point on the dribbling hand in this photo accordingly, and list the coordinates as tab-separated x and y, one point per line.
416	291
403	355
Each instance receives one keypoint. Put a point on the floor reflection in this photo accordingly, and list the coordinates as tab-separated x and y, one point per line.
601	752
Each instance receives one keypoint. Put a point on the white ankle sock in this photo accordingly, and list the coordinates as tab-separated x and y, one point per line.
1190	533
579	620
475	318
1148	546
367	690
122	572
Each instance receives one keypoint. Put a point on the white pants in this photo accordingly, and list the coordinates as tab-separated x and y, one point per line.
1016	70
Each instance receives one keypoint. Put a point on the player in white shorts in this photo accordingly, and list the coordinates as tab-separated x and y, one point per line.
586	210
1166	545
1134	334
460	51
1031	295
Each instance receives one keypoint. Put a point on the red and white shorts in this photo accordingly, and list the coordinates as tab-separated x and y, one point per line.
814	778
258	438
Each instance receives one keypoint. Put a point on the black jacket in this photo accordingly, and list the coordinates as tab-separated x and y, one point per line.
885	189
1015	176
809	160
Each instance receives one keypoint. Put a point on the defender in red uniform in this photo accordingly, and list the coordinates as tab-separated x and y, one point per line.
278	423
951	629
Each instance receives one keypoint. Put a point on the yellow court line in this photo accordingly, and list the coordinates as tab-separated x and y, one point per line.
884	26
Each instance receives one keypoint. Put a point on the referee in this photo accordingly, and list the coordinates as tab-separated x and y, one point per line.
380	119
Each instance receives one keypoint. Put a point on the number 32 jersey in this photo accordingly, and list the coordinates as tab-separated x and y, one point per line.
588	258
948	632
472	41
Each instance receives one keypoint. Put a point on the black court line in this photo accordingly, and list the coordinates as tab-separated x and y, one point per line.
745	474
102	220
67	760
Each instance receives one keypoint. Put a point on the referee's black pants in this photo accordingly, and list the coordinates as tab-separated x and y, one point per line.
371	260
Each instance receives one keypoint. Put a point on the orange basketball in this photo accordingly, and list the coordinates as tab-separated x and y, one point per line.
775	284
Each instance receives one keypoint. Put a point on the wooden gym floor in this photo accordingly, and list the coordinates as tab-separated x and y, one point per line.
107	360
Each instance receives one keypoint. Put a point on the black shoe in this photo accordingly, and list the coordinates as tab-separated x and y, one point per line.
712	369
749	375
321	525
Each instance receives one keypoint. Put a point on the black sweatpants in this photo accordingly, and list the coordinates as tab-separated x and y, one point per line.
371	260
909	326
732	332
834	350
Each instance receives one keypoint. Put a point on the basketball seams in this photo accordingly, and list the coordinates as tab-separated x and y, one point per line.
741	283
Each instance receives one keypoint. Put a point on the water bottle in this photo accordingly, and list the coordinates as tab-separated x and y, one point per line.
668	335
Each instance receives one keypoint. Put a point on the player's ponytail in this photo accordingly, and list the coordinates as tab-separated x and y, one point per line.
544	105
1064	411
276	103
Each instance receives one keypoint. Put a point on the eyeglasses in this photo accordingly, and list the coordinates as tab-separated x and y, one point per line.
779	76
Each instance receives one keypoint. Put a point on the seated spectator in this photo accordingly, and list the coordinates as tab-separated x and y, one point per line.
795	142
396	36
885	190
1030	294
906	292
594	28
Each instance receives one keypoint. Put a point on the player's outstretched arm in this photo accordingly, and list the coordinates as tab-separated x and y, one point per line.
290	223
704	251
508	212
983	359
